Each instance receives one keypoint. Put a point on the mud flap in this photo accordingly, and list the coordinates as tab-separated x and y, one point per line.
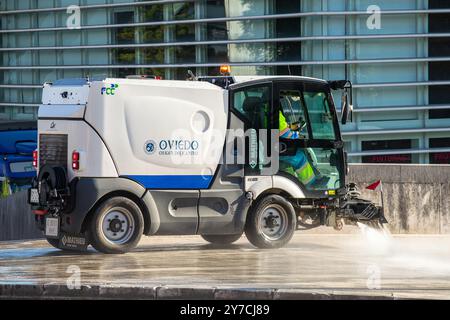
77	242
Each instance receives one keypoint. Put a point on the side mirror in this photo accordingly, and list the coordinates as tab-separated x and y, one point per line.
346	167
346	100
344	108
347	105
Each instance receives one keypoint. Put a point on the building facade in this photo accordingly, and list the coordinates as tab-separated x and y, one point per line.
398	58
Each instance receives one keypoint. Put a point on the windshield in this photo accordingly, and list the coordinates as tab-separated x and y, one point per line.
317	107
307	115
320	116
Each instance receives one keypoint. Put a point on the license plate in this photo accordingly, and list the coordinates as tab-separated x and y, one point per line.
52	228
34	196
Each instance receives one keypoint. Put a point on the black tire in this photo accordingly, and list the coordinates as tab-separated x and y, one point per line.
51	177
56	176
126	226
222	239
271	214
54	243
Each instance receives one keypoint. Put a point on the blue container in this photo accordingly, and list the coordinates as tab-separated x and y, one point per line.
18	140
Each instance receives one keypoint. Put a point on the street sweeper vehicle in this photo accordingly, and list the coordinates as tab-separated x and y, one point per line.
215	156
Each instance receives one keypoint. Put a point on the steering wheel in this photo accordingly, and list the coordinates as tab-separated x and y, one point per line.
302	125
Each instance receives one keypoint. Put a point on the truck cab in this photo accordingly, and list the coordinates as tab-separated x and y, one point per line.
217	157
309	103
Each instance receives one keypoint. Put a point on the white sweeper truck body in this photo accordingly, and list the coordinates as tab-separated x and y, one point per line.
218	156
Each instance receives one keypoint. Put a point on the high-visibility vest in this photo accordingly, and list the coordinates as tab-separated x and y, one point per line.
301	165
285	130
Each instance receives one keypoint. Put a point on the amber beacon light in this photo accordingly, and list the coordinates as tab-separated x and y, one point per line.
225	70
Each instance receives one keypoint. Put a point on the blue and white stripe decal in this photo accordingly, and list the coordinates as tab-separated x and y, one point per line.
173	182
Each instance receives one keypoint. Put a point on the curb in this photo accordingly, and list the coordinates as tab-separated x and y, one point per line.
106	292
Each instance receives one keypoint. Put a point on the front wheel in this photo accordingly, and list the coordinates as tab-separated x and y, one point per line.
271	222
222	239
116	226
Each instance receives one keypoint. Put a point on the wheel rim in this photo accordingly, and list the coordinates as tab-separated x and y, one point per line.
118	225
273	222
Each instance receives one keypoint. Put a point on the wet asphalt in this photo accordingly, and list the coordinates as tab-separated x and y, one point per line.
368	263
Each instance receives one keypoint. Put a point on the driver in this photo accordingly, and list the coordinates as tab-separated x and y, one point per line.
299	165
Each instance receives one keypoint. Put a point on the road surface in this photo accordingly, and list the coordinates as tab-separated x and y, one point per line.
312	266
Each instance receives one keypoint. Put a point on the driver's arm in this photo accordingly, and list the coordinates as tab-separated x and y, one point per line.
288	131
290	134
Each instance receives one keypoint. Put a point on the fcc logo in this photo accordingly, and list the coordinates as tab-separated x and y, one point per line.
150	147
110	91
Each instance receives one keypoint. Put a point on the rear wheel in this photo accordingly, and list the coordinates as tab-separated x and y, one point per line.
116	226
222	239
271	222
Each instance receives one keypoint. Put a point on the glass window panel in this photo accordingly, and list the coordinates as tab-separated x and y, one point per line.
182	11
287	6
324	161
47	58
181	73
153	55
47	76
288	27
125	72
47	38
153	72
46	20
439	47
125	56
217	31
94	16
215	8
439	23
288	70
253	105
292	109
440	157
185	54
98	56
124	35
152	34
387	145
72	57
218	53
153	13
390	158
320	117
185	32
93	37
288	51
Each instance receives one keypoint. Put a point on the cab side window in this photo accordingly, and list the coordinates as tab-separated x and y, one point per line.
253	105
